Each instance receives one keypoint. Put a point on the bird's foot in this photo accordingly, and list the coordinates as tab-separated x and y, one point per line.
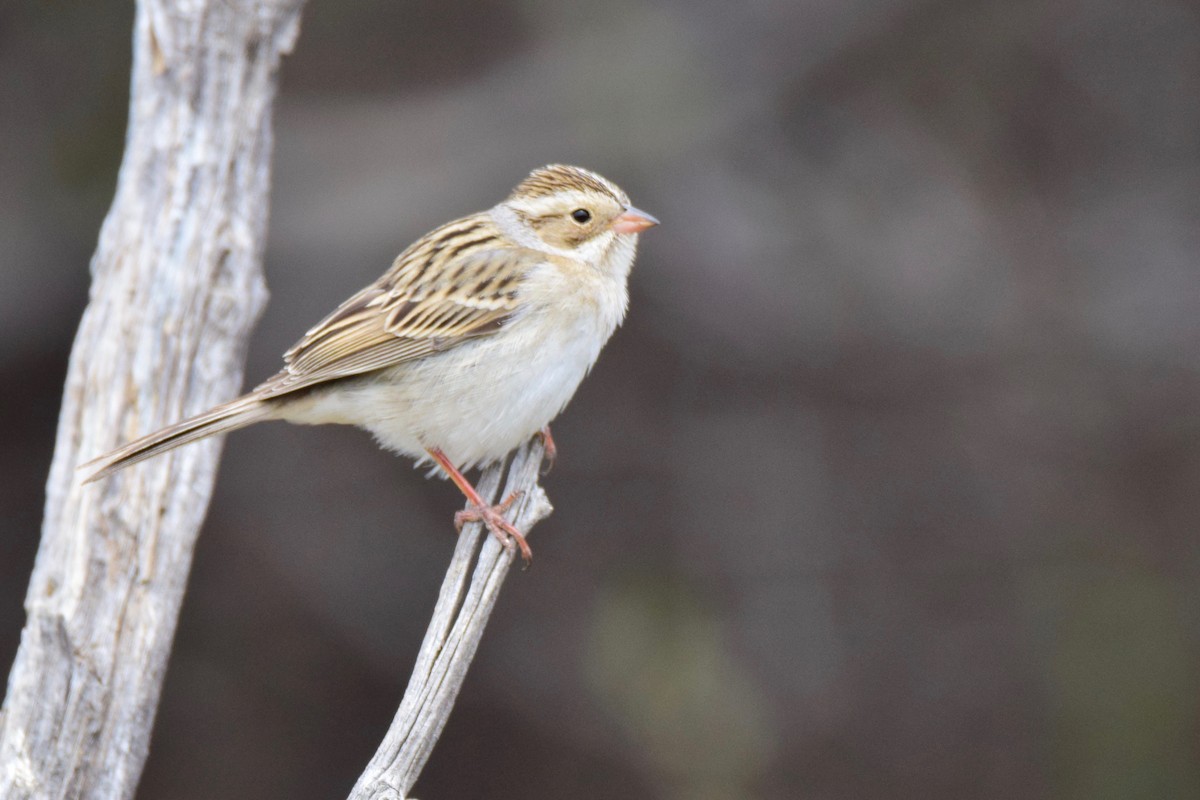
549	450
502	529
479	510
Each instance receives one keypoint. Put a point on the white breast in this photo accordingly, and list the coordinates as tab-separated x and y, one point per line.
483	398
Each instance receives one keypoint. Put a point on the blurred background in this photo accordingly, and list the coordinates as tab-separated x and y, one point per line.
887	488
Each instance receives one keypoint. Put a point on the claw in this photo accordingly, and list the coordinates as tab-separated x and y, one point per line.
478	511
550	453
502	529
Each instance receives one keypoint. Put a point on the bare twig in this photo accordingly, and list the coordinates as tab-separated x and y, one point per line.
453	635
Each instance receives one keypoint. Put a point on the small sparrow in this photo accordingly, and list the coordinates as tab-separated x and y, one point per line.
473	340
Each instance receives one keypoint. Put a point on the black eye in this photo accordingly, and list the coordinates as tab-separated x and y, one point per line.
581	215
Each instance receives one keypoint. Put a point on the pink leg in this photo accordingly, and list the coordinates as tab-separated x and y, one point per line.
551	450
491	516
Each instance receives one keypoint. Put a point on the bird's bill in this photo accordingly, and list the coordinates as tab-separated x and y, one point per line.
633	221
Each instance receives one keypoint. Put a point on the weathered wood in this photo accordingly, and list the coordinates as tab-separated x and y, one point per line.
459	617
177	285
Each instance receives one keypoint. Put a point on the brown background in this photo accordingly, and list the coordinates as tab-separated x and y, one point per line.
888	487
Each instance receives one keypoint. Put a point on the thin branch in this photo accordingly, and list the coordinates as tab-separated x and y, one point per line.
459	617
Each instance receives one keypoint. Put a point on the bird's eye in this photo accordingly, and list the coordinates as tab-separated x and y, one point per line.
581	215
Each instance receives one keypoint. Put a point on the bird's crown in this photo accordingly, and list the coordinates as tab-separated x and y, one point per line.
556	178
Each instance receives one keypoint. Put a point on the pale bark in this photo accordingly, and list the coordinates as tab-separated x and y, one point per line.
177	285
459	618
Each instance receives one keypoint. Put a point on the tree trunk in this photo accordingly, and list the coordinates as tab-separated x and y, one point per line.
177	285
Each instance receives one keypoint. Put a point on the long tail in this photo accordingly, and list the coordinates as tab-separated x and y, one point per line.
239	413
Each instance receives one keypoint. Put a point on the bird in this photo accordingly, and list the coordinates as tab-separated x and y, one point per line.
470	344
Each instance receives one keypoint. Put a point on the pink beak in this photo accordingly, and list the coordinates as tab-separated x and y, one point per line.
633	221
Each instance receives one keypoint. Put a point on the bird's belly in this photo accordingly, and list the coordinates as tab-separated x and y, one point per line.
476	402
499	406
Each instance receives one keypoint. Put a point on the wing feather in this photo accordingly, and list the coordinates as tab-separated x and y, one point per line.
434	298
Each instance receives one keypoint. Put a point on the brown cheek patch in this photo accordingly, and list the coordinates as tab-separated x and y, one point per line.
576	235
560	232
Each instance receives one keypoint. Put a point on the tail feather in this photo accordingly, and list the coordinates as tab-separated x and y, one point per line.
224	418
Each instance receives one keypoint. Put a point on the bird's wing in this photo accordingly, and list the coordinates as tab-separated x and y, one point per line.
431	300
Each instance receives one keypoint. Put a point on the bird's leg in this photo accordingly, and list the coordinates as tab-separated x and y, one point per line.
550	450
491	516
